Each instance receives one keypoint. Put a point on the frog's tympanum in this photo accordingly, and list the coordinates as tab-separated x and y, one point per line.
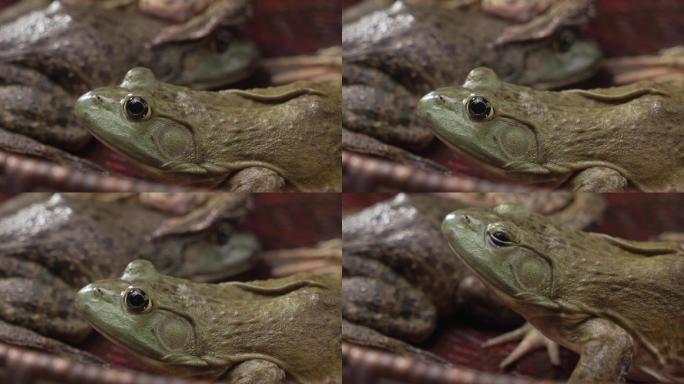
392	57
400	276
594	140
285	137
256	332
51	247
50	57
618	303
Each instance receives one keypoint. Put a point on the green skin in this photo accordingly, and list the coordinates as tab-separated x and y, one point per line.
52	246
259	140
400	277
616	302
255	332
394	56
597	140
79	48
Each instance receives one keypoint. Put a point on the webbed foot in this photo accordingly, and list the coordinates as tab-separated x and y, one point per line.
531	339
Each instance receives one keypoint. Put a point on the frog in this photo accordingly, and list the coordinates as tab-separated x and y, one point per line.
278	138
666	65
265	331
51	245
596	140
615	302
190	19
400	277
394	56
52	56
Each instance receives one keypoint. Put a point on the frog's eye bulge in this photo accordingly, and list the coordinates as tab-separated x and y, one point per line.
137	300
565	40
500	238
136	108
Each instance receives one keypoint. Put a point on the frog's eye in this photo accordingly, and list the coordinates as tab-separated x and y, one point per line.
566	38
136	300
223	233
500	238
222	40
137	108
479	108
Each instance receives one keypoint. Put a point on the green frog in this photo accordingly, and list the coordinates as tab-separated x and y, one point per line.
50	246
598	140
394	56
616	302
50	57
269	139
400	276
255	332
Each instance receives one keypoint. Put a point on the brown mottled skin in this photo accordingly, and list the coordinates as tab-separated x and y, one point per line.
50	57
50	246
616	302
597	140
394	56
400	276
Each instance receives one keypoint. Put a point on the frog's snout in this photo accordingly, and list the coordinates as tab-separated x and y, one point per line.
431	101
87	296
457	222
86	103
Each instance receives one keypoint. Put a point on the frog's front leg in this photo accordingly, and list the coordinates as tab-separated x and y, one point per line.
256	371
374	104
606	352
256	179
376	297
599	179
531	340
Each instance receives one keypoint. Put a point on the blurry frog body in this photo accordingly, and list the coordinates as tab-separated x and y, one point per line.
610	300
556	141
259	140
50	246
249	332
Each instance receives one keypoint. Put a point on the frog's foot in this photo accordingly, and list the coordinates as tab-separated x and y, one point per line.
360	335
564	13
220	12
256	371
531	340
26	338
360	143
666	66
599	179
256	179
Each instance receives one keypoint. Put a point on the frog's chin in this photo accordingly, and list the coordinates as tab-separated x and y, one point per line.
570	80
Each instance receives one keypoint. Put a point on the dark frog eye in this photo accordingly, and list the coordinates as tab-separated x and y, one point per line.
222	40
500	238
137	108
566	38
136	300
479	108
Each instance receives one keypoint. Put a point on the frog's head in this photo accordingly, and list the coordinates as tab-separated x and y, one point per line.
212	253
561	59
142	312
507	251
484	118
216	60
141	119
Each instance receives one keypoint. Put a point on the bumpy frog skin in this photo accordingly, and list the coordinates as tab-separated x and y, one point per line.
52	246
50	57
394	56
268	139
400	276
618	303
595	140
258	332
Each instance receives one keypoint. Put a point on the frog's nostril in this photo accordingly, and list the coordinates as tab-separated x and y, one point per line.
441	99
466	218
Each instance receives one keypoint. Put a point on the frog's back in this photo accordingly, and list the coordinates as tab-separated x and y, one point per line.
420	46
79	47
298	137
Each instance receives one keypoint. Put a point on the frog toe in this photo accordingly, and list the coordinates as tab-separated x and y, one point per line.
532	339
